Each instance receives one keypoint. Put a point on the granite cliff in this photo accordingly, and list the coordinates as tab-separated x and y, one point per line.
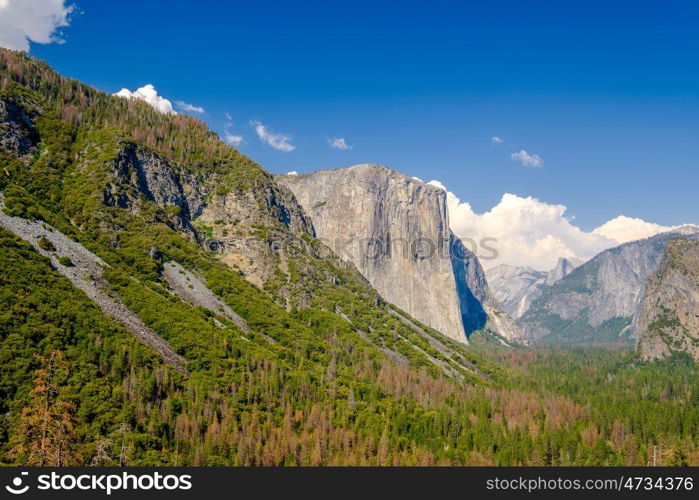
668	317
395	230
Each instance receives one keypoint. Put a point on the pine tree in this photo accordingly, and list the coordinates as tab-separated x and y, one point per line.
45	435
101	456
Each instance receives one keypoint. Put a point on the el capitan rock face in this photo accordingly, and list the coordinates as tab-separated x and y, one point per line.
668	318
395	229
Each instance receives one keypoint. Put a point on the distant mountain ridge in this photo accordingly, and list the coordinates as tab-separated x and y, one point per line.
517	287
597	301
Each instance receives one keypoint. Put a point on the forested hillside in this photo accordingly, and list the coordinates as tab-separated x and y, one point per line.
285	356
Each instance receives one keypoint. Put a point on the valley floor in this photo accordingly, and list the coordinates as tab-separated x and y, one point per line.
631	412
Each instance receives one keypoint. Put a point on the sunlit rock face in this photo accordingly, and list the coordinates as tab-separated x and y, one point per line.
395	230
668	318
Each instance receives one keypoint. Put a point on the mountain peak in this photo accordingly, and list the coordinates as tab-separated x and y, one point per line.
564	267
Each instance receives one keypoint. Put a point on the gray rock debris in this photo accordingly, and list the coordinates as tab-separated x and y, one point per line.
86	275
444	350
192	288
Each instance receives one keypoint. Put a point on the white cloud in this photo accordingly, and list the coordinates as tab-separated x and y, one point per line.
292	173
623	229
530	232
38	21
497	140
526	159
339	143
232	139
280	142
150	95
189	108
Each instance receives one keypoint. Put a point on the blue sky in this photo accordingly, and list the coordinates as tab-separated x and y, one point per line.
606	93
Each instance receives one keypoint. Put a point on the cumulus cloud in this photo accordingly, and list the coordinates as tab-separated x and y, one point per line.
339	143
38	21
150	95
526	159
623	229
497	140
530	232
292	173
189	108
280	142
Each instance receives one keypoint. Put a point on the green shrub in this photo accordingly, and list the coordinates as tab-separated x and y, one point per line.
65	261
46	245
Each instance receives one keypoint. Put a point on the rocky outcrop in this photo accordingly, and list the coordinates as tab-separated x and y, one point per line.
395	230
138	174
255	230
668	318
18	135
563	268
265	204
517	287
598	300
